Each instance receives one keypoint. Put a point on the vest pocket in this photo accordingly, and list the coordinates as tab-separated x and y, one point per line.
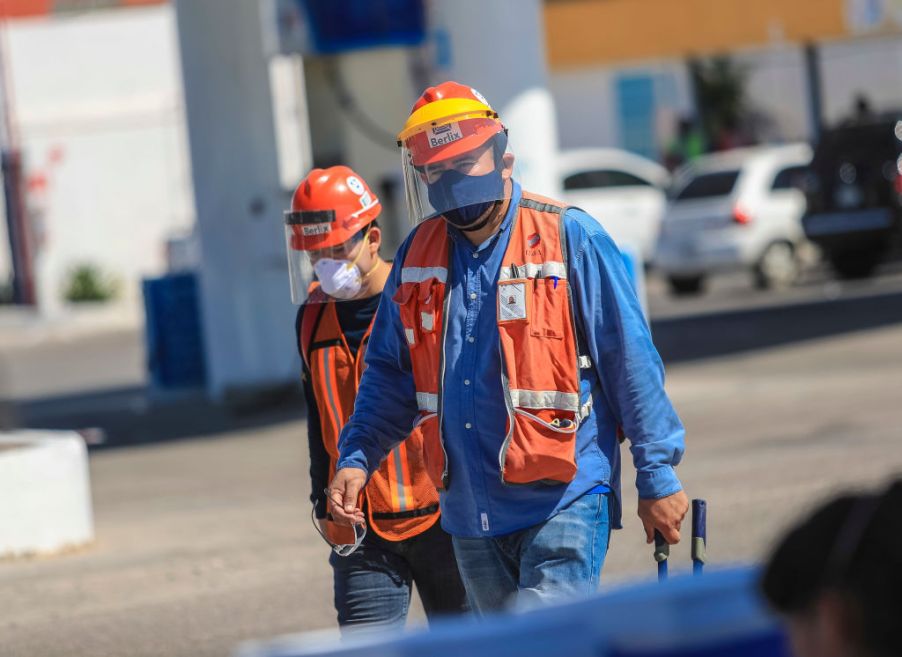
434	458
406	298
339	534
417	305
549	308
542	447
427	312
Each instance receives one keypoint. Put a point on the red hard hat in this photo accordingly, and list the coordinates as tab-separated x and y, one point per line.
448	120
449	89
329	207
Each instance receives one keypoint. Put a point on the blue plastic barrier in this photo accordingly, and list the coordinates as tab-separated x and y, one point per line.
175	355
719	614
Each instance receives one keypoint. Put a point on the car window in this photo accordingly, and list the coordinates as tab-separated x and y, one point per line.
601	178
789	178
709	185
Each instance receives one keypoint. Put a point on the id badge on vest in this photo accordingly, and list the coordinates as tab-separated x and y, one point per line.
513	302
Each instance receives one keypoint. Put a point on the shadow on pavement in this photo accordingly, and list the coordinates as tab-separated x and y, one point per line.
119	418
136	416
709	335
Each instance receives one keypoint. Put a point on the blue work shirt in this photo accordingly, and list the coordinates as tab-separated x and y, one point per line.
626	382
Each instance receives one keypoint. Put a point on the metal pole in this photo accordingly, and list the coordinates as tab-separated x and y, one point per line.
17	228
14	187
815	89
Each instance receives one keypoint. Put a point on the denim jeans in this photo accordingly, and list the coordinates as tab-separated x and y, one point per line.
557	560
373	585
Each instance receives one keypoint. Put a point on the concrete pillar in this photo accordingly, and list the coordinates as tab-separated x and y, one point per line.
498	47
248	318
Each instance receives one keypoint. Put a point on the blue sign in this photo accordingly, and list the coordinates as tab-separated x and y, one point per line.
337	26
635	96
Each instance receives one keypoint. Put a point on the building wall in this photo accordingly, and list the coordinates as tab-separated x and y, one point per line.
872	67
97	98
587	102
656	38
777	91
590	32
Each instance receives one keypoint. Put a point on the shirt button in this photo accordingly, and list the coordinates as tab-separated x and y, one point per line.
473	295
466	382
468	425
475	254
471	339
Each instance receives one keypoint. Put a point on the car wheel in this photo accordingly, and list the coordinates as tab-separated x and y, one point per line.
778	266
855	264
685	285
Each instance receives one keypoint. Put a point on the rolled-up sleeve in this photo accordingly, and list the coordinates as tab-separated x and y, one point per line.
386	406
628	365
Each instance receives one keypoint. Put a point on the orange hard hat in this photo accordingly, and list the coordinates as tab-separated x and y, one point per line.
329	207
448	120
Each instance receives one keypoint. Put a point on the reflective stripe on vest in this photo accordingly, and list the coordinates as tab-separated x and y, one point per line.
428	402
535	324
420	274
545	399
402	501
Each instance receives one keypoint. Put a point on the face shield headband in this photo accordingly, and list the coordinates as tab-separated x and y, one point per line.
318	244
469	143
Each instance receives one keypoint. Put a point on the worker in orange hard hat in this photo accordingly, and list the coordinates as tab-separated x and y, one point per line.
511	336
332	232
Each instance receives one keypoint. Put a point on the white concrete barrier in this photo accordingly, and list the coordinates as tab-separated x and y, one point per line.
45	492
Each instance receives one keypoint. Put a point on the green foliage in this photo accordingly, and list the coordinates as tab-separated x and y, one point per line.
89	283
720	86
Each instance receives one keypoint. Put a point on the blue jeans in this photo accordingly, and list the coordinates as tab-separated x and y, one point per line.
373	584
557	560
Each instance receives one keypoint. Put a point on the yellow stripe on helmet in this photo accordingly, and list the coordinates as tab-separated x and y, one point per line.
444	111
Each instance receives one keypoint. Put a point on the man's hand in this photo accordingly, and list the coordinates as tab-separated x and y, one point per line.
344	491
665	514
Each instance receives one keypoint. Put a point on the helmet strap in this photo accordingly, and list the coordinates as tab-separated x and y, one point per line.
479	225
379	261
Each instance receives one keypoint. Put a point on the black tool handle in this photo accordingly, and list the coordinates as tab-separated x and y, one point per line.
662	552
699	535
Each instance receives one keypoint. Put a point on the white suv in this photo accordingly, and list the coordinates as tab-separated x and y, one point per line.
623	191
735	210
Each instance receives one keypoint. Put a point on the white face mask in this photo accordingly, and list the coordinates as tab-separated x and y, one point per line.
339	278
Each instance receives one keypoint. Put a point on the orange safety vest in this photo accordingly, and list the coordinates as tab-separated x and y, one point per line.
538	344
401	500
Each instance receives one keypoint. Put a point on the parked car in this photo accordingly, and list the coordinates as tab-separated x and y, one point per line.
623	191
736	210
854	194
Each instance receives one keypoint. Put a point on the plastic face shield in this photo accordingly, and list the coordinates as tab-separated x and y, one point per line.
454	164
313	255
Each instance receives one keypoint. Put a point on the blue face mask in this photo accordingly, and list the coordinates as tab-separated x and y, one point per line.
462	199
